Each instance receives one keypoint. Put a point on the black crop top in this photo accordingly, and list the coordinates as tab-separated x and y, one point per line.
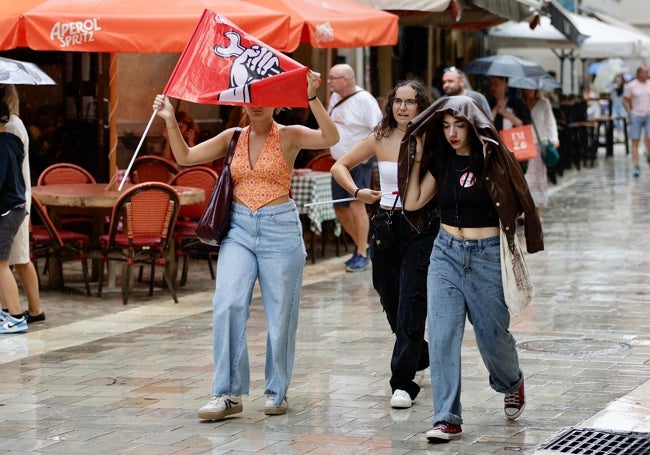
463	203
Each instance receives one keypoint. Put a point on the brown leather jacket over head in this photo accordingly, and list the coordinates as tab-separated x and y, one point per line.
504	179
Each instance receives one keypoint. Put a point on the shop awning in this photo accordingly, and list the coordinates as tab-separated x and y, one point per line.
335	23
602	40
468	14
126	25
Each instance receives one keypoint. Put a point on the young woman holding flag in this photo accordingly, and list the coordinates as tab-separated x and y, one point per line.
264	243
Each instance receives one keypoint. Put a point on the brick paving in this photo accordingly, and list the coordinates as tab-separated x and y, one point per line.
99	377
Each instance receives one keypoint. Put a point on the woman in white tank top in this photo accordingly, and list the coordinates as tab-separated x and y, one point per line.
399	254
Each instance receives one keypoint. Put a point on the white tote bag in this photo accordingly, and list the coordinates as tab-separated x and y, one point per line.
517	287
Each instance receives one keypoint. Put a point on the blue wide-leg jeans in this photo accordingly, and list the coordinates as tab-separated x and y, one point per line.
464	280
264	245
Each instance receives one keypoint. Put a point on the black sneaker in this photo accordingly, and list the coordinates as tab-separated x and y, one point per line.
33	319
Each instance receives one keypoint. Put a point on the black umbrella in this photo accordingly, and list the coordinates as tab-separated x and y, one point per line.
505	66
545	82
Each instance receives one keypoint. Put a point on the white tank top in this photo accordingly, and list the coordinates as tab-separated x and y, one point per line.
388	184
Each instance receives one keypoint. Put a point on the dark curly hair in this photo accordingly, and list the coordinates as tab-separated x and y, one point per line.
388	122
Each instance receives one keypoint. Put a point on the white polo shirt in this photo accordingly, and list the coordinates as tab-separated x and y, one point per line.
354	118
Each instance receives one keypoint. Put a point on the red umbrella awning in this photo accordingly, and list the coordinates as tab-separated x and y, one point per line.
335	23
127	26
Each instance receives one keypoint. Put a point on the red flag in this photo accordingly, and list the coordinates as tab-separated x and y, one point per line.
224	65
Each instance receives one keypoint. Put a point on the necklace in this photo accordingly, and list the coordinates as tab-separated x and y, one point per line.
401	129
453	164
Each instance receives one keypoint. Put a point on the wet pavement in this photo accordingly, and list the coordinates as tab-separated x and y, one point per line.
99	377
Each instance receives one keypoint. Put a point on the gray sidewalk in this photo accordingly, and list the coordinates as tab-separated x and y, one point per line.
102	378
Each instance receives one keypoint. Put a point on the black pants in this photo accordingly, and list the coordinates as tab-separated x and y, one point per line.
400	263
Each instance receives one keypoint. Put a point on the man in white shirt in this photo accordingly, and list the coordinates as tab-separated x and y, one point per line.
355	113
636	99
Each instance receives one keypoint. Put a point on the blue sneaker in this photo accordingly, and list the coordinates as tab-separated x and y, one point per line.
3	315
359	265
353	258
636	172
13	325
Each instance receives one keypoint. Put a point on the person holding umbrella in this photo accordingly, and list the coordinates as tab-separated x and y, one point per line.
19	254
12	214
507	112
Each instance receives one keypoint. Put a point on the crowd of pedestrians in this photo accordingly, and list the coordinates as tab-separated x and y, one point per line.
448	191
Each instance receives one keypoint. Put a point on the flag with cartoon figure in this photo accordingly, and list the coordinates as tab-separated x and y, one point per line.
224	65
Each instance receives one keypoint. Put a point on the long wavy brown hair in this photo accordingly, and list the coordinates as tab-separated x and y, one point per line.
388	122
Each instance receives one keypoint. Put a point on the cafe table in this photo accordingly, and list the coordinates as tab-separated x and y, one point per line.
309	186
93	199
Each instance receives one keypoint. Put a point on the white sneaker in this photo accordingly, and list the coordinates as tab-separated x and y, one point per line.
400	400
270	409
221	406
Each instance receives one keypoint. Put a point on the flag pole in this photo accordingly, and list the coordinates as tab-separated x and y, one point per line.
137	149
346	199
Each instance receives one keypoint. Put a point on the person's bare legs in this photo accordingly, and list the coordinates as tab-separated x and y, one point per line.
354	220
9	289
29	280
634	149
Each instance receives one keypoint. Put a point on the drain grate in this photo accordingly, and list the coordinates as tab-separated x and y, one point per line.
587	441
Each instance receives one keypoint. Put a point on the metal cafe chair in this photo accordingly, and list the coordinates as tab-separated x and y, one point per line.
141	226
63	173
187	244
64	245
151	168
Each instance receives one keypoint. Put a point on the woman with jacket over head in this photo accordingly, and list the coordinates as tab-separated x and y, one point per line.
264	243
399	255
480	189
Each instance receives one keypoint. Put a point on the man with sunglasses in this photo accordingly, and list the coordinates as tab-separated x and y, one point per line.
454	83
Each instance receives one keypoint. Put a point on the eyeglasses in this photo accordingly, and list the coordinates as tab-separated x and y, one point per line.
451	69
332	78
409	103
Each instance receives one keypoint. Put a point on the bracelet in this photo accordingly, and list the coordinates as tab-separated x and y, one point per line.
415	161
356	193
312	98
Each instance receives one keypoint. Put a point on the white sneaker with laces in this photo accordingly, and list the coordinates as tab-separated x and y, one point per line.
270	409
221	406
401	400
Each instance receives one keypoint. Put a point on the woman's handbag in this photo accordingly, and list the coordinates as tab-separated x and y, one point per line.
215	221
550	155
517	287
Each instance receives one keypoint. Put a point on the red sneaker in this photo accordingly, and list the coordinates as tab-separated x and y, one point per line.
443	431
514	403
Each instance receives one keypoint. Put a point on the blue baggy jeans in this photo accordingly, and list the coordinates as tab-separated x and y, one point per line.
264	245
464	280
